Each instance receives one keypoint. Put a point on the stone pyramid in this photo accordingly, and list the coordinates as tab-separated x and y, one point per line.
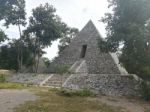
84	55
92	68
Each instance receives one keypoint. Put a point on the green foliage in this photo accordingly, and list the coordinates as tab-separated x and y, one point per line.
71	92
145	90
13	12
67	37
128	31
6	85
33	50
146	69
3	37
46	61
44	28
45	25
61	70
2	78
8	56
146	73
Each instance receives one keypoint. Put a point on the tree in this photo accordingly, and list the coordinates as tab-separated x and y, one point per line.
3	37
128	31
13	12
46	61
66	39
8	56
44	26
31	42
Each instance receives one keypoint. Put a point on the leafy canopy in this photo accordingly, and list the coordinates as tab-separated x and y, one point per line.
45	25
13	12
8	55
3	37
66	39
128	30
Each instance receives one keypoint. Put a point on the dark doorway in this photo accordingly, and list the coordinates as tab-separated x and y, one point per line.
83	51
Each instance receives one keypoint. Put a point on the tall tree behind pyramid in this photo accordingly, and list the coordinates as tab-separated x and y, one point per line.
85	47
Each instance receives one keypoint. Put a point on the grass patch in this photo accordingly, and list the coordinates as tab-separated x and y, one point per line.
51	101
6	85
147	110
2	78
71	92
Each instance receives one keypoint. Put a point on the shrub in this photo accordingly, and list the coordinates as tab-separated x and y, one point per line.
81	93
85	92
2	78
46	61
61	70
145	77
145	90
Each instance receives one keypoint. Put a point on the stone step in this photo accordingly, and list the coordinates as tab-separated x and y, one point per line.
76	65
55	85
56	80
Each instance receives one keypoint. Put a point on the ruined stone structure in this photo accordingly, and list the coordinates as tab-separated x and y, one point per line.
92	68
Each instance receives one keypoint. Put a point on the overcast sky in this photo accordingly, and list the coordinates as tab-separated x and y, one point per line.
76	13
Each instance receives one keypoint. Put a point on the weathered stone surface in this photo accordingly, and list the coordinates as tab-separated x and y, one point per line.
97	61
116	85
82	68
28	78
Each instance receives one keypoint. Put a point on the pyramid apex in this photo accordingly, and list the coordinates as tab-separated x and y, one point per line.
89	27
90	22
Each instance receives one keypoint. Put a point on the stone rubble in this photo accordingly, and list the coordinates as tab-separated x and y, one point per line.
28	78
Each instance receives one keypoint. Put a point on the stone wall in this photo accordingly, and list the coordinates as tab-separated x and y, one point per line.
112	84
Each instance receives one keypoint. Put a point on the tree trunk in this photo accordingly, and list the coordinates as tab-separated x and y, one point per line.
20	54
19	30
18	58
34	65
38	57
37	64
21	58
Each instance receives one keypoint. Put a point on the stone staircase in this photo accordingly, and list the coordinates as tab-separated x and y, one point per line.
55	81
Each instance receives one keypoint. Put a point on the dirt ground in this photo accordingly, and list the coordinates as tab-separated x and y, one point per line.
9	99
132	105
